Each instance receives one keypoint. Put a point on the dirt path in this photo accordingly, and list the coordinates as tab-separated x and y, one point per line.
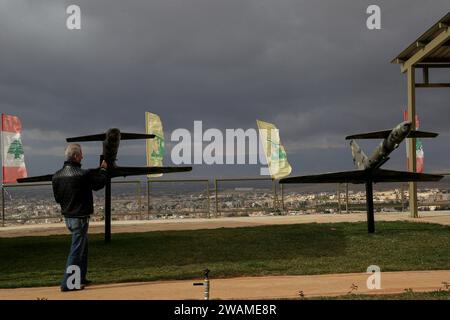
213	223
246	288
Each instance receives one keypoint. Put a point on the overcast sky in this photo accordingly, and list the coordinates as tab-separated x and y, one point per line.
310	67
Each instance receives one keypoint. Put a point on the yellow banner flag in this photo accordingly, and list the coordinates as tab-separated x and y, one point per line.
155	146
273	149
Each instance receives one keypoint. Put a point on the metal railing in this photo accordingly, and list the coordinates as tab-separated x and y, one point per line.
206	181
5	187
22	185
138	193
277	204
348	206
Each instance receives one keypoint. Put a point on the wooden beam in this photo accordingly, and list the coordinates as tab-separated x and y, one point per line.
427	50
432	65
420	44
435	60
425	76
432	85
398	61
411	76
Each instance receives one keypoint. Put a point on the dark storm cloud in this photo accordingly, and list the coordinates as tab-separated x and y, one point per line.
312	67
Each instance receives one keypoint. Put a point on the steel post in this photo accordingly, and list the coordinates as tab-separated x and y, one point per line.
370	209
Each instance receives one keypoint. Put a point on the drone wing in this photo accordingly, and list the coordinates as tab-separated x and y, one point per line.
362	176
138	171
102	137
382	175
385	134
117	172
135	136
422	134
370	135
93	137
44	178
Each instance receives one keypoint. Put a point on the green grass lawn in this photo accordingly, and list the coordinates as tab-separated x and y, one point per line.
227	252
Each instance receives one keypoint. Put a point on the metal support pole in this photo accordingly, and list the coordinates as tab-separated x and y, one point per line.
275	196
209	200
402	196
370	213
148	199
346	197
282	196
339	197
215	198
108	210
138	191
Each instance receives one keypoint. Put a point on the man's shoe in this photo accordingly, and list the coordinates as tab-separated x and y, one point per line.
63	289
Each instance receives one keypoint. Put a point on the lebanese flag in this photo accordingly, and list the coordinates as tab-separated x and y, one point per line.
419	156
12	150
419	147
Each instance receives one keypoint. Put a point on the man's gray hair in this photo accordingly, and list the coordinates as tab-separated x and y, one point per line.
72	150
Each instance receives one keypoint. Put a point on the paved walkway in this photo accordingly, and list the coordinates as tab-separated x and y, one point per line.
442	217
272	287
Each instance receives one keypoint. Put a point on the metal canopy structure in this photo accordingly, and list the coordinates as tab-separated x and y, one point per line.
430	51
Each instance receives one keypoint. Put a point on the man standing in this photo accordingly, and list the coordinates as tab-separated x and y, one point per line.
72	188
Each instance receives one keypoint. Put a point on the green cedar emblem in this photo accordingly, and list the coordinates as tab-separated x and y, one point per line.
159	153
16	149
278	153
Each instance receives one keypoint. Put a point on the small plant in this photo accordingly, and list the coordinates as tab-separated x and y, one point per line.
301	294
353	287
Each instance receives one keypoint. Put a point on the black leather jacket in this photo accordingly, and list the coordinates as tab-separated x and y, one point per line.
72	188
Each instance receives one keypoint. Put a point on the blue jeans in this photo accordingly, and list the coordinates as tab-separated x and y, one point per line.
79	247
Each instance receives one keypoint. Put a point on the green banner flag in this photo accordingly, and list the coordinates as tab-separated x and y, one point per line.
155	146
273	149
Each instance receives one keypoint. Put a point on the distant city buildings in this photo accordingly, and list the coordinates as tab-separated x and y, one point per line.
22	209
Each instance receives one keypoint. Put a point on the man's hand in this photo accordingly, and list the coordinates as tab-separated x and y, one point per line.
104	165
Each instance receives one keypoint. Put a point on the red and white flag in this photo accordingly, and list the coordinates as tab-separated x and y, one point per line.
419	147
13	159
